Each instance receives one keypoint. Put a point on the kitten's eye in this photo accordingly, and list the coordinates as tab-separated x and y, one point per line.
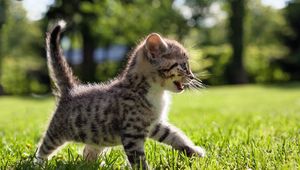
185	55
184	66
170	68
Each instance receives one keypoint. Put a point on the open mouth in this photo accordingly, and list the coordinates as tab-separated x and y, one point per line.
179	85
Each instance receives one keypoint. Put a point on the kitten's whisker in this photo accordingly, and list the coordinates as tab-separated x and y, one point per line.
197	84
189	85
194	86
195	78
191	76
194	83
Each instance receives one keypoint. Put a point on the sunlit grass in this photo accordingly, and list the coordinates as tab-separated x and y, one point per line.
240	127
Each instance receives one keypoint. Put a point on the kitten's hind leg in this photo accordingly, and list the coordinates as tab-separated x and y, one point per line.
91	152
49	144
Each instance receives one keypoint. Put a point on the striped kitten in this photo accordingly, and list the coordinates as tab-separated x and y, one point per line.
125	110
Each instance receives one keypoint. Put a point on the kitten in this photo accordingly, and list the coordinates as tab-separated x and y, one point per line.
125	110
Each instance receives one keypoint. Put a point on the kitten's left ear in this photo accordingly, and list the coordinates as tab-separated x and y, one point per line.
155	45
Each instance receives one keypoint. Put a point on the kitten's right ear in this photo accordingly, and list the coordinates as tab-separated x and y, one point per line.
155	45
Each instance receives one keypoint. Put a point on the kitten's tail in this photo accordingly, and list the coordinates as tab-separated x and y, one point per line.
60	71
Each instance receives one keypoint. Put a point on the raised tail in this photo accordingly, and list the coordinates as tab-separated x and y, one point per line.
60	71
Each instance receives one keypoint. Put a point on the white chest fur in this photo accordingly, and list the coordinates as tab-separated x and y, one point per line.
160	101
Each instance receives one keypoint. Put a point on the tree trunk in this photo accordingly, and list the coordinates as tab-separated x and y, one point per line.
235	72
88	66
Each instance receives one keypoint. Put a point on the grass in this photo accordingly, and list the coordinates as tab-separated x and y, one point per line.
241	127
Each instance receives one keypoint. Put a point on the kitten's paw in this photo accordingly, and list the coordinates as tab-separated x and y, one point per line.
194	151
199	151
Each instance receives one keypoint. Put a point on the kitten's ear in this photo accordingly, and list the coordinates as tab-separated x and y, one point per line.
155	44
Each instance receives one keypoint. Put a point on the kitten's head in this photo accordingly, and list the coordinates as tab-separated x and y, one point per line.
170	63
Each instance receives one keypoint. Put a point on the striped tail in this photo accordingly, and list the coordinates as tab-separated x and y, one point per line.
60	71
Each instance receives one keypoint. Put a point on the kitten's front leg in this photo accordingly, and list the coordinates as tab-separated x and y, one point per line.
169	134
133	144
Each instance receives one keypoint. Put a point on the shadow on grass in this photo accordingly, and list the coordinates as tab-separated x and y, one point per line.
168	159
56	164
72	162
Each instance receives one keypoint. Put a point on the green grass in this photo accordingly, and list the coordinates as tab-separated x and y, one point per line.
240	127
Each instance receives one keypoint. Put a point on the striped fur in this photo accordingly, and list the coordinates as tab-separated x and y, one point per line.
123	111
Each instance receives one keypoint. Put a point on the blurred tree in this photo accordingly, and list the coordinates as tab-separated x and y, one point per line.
260	27
3	10
211	29
199	10
80	17
291	39
20	44
143	17
235	72
103	23
262	24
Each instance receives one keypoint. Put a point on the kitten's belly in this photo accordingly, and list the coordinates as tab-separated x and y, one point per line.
113	141
96	134
104	138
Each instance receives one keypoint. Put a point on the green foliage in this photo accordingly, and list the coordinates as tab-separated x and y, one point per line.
263	46
263	23
209	63
21	42
102	23
16	78
290	37
107	69
157	16
217	57
19	36
258	63
236	126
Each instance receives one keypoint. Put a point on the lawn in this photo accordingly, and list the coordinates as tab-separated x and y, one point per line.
241	127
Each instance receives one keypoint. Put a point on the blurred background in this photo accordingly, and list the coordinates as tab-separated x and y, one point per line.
229	41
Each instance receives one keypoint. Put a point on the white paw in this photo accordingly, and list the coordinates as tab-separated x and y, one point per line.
199	151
